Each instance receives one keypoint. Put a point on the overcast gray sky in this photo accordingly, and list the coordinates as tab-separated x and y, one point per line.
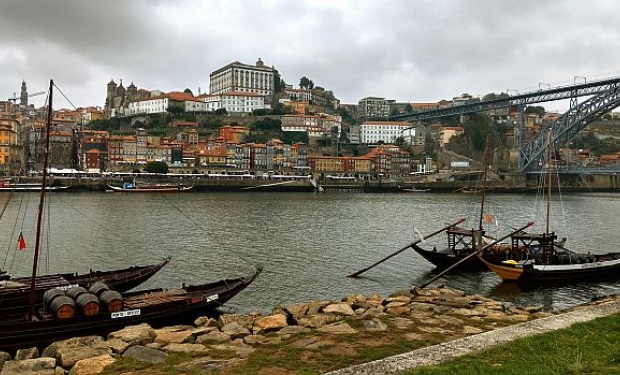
420	51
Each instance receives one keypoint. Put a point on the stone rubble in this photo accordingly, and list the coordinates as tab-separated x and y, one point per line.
432	310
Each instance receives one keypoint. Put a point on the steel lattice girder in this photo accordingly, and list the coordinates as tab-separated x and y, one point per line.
567	126
540	96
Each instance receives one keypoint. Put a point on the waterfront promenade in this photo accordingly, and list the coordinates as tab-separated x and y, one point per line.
439	182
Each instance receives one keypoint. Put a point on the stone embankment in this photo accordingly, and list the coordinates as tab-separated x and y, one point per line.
417	315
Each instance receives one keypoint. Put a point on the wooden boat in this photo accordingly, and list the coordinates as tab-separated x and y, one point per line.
546	260
462	242
414	190
154	188
14	292
99	310
157	307
27	187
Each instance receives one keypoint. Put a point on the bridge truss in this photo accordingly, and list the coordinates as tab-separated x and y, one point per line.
566	127
540	96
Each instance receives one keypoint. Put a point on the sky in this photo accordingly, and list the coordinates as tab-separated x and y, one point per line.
409	50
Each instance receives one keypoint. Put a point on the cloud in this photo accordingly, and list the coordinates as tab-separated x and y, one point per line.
408	51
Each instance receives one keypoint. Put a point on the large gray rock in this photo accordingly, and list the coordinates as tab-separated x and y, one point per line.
23	354
38	366
318	320
92	366
69	352
339	309
235	330
186	348
4	356
140	334
215	337
144	354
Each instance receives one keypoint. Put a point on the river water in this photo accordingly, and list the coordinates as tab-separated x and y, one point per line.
307	242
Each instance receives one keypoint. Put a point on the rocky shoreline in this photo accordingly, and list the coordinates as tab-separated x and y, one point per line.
335	329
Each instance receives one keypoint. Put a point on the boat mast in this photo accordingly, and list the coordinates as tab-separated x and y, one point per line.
549	155
37	244
485	166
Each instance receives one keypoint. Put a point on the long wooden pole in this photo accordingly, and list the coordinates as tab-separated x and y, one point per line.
356	274
474	253
37	244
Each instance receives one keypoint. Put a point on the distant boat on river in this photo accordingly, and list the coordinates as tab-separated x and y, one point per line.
130	187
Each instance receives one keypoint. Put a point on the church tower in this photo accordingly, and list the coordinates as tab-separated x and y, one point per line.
23	97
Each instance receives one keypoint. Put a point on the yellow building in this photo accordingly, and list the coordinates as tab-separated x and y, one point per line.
9	148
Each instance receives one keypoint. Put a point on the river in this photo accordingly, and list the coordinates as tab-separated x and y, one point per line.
307	242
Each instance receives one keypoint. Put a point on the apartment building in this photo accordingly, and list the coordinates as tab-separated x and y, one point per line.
373	107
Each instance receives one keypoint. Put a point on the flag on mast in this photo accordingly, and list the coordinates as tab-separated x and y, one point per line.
21	241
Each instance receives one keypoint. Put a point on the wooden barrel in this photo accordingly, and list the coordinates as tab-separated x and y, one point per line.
98	288
88	304
49	296
75	292
62	307
112	300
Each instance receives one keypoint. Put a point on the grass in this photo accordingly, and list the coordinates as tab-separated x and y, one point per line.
585	348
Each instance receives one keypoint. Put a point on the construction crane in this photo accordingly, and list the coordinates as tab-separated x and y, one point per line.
15	97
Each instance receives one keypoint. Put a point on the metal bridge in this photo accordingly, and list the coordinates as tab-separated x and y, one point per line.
604	96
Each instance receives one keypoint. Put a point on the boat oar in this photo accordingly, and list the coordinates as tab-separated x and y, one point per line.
474	253
356	274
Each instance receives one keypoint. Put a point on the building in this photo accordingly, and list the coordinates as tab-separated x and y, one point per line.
118	97
161	103
448	132
9	148
372	132
239	77
373	107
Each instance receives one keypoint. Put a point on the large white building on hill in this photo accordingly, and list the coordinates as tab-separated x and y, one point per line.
239	77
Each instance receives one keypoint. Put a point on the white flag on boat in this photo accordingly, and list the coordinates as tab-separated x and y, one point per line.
419	235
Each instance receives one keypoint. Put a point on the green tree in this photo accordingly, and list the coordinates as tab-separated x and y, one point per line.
221	112
306	83
408	108
278	82
394	112
259	112
400	140
188	91
156	167
494	96
175	110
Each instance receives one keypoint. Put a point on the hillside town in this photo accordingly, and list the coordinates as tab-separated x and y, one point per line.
250	120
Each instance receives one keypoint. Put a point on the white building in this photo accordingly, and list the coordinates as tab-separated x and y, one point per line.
160	104
239	77
372	132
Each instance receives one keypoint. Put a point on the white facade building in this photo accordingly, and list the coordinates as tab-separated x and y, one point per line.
160	104
239	77
372	132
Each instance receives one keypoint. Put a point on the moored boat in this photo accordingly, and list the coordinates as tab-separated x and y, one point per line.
14	292
157	307
151	188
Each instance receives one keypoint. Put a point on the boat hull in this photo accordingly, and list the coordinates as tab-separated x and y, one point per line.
195	301
156	189
538	273
446	258
15	293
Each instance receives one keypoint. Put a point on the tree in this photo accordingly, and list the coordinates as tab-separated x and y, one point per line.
394	112
278	82
259	112
306	83
221	111
156	167
188	91
175	110
494	96
408	108
400	140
